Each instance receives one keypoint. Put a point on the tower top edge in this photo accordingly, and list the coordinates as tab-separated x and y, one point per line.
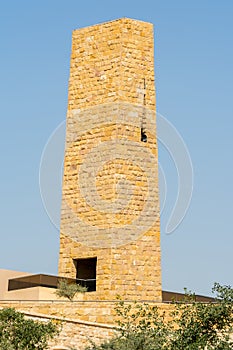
120	20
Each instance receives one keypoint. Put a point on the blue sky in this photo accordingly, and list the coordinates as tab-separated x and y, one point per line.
194	82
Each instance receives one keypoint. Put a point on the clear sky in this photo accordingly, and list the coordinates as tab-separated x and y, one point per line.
194	82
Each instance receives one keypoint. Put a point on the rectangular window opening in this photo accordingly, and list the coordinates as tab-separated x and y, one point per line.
86	273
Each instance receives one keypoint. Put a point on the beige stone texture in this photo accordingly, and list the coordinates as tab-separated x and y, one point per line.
79	321
110	198
109	63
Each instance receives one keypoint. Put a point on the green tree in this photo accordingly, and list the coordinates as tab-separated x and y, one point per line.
204	326
19	333
140	326
192	325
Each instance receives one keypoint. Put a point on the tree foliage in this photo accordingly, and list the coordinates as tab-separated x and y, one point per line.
191	325
204	326
69	290
19	333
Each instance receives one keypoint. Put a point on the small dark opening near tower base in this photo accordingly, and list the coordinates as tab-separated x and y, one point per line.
86	273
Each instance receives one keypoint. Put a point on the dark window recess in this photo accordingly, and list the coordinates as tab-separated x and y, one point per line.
143	135
86	273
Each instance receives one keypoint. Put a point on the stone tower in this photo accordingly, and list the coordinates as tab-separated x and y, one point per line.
110	224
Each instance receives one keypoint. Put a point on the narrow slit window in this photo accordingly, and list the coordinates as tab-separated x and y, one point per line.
143	135
143	122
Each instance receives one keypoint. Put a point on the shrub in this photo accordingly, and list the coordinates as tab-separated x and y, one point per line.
192	325
69	290
19	333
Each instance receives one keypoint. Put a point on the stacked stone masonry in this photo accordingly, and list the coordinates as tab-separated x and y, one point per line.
79	322
110	199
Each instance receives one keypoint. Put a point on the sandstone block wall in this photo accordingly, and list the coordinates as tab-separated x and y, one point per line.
110	199
79	321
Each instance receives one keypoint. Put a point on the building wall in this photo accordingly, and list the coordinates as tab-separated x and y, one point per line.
110	199
79	321
32	293
5	275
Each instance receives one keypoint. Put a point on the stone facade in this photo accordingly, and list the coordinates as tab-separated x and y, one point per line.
110	199
80	322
